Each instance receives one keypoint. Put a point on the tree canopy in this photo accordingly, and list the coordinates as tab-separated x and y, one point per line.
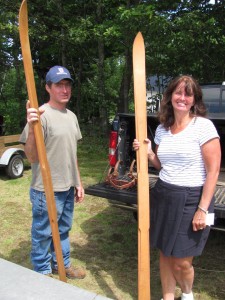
94	40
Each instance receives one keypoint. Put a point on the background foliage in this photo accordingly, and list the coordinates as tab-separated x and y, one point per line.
94	40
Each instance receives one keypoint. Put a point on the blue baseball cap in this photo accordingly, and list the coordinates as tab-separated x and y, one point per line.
57	73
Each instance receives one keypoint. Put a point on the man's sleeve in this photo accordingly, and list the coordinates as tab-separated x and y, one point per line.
24	135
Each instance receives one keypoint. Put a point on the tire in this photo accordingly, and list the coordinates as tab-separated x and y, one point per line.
15	167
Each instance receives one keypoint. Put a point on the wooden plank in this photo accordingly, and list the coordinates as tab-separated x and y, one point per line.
8	142
8	139
2	142
142	168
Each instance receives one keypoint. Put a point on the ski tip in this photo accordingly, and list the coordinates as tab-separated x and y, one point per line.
138	38
23	6
23	17
139	34
138	42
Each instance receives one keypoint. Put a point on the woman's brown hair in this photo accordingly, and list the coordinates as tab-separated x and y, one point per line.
192	87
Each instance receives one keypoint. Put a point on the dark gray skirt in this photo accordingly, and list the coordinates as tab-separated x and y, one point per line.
172	211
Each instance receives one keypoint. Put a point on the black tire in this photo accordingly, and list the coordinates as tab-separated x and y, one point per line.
15	167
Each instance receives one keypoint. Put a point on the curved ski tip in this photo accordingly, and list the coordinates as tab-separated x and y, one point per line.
23	5
23	16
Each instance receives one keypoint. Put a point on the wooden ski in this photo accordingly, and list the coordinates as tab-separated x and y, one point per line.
142	168
45	170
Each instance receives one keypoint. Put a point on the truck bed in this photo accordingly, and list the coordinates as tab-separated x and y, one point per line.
128	197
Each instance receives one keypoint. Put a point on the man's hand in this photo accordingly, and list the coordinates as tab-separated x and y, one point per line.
33	114
79	196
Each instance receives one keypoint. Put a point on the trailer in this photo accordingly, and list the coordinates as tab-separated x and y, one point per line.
12	155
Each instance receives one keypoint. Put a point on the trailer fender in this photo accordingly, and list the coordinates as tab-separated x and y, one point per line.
6	156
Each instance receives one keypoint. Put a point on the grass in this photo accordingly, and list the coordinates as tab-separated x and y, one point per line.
103	238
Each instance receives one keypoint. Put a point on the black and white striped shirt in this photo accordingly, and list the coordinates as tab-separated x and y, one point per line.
180	154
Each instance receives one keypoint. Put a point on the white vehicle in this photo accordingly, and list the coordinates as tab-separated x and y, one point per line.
12	156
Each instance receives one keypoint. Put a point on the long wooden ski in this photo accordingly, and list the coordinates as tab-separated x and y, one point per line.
45	170
142	168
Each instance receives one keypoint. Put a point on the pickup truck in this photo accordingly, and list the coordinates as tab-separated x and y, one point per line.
120	148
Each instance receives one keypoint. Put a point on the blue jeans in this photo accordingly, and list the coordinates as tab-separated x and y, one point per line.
43	256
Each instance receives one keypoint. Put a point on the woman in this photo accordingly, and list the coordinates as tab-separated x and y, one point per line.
188	156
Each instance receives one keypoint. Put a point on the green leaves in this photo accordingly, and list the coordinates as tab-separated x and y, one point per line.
94	40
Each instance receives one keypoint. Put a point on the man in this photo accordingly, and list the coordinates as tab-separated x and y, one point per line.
61	132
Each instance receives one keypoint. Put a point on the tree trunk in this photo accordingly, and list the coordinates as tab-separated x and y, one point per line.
62	54
123	103
78	88
101	80
63	49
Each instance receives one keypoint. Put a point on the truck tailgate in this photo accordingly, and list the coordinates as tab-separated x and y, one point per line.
129	197
103	190
220	202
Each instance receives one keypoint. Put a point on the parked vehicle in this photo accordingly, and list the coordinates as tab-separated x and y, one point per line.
12	155
120	148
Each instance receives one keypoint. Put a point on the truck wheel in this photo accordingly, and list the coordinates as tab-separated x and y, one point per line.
15	167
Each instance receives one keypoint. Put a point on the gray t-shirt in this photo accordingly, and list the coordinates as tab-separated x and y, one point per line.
61	132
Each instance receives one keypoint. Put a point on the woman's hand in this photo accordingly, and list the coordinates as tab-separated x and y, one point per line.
152	157
199	220
136	145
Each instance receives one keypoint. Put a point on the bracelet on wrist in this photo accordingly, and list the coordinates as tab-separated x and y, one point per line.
202	209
